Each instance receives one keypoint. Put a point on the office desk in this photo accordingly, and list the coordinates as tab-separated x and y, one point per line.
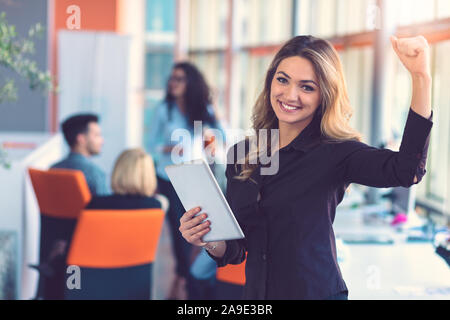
402	270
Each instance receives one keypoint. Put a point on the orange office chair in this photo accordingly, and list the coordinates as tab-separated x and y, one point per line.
230	281
114	250
61	194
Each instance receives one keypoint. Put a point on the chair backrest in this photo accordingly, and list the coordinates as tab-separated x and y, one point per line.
231	273
115	238
61	193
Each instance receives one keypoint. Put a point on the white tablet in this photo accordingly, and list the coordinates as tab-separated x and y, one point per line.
196	186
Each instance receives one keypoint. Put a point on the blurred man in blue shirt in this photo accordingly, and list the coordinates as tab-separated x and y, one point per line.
83	135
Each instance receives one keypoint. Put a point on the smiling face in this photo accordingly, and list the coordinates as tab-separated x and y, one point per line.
294	93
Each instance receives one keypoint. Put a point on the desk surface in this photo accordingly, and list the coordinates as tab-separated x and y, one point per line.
401	270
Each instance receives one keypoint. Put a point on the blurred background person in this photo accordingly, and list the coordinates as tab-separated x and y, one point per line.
84	137
187	99
133	184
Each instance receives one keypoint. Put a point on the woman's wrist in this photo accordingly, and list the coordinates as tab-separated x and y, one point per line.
210	246
422	77
216	248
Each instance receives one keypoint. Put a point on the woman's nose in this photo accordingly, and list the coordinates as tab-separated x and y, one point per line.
292	93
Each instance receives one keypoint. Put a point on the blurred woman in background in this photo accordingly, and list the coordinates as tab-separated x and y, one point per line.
133	183
187	99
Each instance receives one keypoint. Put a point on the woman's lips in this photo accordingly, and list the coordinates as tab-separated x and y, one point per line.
289	108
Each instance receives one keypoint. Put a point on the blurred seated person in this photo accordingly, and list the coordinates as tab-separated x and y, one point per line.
83	135
133	183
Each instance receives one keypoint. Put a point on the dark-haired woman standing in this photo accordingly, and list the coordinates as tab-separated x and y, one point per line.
187	100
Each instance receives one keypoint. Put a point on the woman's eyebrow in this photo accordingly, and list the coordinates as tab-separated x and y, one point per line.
302	81
309	81
285	74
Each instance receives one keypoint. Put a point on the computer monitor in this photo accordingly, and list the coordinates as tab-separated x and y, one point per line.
403	199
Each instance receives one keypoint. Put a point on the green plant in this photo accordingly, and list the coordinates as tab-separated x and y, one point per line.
14	56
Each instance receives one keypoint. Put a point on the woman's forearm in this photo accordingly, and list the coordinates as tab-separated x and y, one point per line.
421	94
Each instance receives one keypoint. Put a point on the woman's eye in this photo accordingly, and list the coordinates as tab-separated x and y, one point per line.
282	80
307	88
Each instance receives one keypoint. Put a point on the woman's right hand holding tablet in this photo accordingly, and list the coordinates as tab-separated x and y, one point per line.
193	228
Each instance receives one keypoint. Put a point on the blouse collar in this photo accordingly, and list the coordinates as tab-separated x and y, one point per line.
308	138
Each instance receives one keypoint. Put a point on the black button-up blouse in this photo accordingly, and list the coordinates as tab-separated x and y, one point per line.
289	238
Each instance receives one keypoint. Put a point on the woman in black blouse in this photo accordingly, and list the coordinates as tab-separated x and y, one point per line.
287	217
133	182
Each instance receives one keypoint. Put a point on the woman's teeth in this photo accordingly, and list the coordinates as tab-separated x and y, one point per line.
287	107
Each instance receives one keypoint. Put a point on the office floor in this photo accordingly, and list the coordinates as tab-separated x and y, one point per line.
163	272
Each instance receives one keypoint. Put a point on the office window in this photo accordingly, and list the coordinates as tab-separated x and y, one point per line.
160	15
325	25
159	47
254	83
208	24
240	105
406	12
328	18
159	42
303	17
261	22
358	69
443	9
212	66
157	69
397	98
438	177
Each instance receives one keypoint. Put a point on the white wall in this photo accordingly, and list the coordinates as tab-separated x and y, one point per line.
94	77
19	211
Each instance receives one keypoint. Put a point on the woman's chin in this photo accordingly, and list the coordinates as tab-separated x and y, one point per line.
289	120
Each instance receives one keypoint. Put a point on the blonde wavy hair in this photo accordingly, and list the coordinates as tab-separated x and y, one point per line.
335	110
134	173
